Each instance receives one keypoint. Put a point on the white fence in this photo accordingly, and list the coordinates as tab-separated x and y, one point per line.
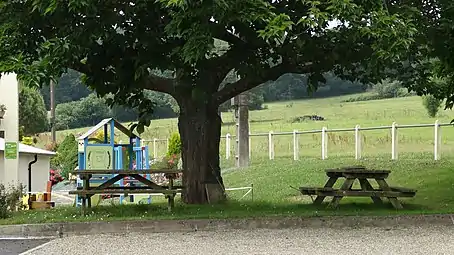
324	139
155	142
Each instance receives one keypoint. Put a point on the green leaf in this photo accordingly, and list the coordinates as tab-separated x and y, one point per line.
140	128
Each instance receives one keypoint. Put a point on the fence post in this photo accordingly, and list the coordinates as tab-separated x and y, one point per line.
155	151
324	144
250	142
167	145
394	141
437	140
358	142
227	146
271	145
295	145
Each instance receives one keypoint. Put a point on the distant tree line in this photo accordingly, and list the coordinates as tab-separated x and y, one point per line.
77	106
384	89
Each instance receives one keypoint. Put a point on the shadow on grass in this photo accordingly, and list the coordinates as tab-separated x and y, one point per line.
231	210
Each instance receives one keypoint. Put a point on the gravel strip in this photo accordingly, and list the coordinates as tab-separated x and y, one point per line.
362	241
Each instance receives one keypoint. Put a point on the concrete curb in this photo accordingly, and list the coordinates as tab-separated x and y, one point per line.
155	226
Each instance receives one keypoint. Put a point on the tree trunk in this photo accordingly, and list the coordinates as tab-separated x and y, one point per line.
200	131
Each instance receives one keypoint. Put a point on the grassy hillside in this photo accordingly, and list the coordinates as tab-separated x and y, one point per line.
278	118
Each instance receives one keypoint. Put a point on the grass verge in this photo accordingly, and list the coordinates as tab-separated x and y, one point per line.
274	195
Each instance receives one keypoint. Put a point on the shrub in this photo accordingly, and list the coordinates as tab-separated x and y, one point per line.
66	158
10	199
53	146
27	140
431	104
171	161
174	145
255	101
388	89
32	111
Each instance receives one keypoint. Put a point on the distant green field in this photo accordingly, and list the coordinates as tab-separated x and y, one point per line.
278	118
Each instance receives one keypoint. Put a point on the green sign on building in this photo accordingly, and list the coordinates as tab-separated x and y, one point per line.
10	150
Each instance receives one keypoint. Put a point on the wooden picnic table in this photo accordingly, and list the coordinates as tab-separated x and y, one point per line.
87	191
363	175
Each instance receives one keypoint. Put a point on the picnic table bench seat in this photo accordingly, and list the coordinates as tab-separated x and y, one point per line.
169	194
123	191
404	190
164	187
327	191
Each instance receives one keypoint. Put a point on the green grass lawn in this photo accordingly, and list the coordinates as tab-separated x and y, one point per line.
274	193
274	181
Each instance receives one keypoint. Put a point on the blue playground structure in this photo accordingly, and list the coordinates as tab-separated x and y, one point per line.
102	154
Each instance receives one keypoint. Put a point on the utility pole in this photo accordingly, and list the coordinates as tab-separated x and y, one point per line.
240	103
52	111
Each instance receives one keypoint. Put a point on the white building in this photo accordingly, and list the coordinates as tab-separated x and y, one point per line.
39	169
14	165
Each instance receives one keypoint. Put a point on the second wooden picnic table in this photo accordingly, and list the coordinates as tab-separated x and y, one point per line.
107	187
350	174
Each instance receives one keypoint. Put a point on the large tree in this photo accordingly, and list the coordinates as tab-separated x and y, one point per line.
186	48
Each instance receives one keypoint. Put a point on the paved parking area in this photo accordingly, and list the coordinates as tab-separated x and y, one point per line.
15	246
427	240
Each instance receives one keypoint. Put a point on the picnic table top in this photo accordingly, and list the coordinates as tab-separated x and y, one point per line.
357	170
127	172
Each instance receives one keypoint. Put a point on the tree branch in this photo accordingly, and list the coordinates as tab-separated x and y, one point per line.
79	67
221	33
160	84
151	82
252	81
246	40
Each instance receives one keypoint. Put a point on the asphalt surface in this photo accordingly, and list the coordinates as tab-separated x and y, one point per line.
432	240
14	247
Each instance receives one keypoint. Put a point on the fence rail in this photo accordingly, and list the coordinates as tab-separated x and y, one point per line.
394	127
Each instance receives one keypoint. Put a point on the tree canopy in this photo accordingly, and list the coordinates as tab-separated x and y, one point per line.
187	48
431	53
121	45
